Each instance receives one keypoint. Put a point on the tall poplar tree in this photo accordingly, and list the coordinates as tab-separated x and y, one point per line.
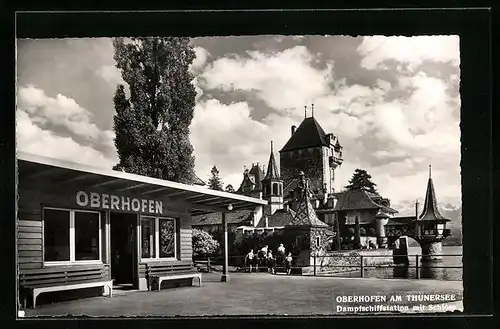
152	123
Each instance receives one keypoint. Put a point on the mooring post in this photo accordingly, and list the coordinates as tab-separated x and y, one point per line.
362	266
417	266
314	263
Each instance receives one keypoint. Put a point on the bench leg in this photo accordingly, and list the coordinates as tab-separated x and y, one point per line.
199	279
108	290
159	284
35	295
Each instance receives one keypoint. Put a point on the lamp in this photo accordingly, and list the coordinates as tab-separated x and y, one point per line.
440	228
230	207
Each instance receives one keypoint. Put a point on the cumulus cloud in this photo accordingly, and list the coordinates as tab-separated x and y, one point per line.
200	60
38	118
60	111
111	74
226	136
282	80
35	140
408	50
392	139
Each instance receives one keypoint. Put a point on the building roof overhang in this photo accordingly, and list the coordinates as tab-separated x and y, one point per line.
200	200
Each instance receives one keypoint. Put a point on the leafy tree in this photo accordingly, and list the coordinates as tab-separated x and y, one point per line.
230	188
362	180
214	182
203	243
371	232
152	124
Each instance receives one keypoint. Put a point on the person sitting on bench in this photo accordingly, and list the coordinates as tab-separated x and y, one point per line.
280	257
262	255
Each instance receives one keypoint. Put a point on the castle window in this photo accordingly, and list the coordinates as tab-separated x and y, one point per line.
318	241
275	189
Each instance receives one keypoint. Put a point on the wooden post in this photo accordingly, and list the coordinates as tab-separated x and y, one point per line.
208	265
417	267
225	250
362	266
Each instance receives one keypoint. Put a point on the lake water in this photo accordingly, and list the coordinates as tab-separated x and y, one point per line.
436	270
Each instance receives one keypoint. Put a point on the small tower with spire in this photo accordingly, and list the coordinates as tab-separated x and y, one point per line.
272	186
305	233
430	226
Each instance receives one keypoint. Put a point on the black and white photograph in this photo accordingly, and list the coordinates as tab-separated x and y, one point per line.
238	175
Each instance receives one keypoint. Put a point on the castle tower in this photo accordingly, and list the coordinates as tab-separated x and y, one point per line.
313	151
272	186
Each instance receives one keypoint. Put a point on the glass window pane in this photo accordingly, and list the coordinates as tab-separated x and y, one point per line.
86	236
56	235
147	237
167	238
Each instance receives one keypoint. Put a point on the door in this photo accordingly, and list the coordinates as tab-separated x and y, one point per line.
123	239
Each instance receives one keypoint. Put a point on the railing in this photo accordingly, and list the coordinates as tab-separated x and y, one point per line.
361	264
357	265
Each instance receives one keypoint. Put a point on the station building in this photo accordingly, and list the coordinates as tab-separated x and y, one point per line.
78	225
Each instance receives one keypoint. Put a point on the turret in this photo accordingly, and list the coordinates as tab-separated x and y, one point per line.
272	186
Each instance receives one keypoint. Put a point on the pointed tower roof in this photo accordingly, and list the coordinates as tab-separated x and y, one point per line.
305	214
258	174
431	211
272	168
308	134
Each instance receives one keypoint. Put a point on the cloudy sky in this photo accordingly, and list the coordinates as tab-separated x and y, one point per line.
393	102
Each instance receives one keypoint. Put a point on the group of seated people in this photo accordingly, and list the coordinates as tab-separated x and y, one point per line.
266	258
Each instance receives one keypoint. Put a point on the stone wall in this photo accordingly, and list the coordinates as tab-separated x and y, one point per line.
432	251
322	234
351	260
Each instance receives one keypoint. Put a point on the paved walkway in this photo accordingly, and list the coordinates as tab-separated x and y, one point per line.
247	294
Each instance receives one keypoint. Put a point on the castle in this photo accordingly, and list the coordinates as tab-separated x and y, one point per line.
317	155
305	187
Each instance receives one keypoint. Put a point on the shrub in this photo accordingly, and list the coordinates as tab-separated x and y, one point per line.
371	232
362	231
203	243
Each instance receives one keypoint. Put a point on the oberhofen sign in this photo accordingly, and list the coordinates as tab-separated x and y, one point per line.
113	202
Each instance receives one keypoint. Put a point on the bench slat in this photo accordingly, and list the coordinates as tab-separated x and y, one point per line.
57	269
49	283
167	273
72	283
166	269
69	273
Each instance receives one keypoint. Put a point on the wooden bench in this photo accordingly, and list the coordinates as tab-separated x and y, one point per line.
161	271
57	278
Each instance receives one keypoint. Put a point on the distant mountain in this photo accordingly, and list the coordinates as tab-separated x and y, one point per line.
455	225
